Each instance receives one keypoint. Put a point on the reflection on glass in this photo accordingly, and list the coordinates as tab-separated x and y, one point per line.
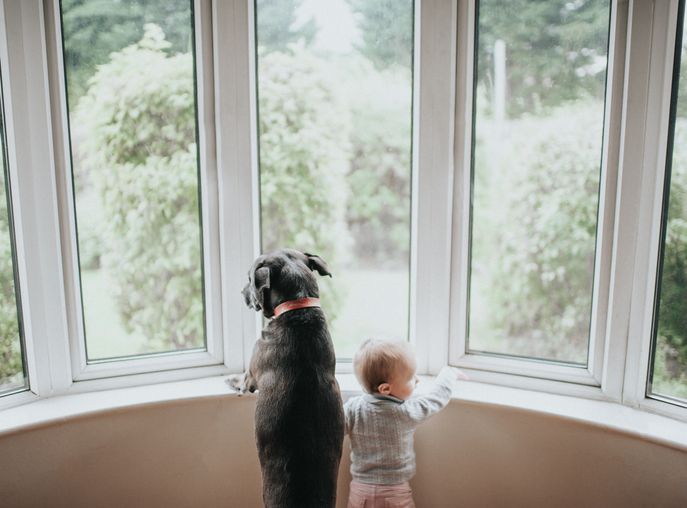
669	368
539	106
12	370
335	97
129	66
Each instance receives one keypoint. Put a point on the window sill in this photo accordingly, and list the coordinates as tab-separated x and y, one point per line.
610	415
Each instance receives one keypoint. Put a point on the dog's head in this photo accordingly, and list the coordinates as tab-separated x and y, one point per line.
280	276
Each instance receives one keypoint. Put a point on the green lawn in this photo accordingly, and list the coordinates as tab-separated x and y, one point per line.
106	337
376	305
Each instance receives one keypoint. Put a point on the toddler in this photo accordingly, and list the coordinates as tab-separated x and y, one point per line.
381	422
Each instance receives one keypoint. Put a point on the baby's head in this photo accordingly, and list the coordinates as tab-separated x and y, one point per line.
386	367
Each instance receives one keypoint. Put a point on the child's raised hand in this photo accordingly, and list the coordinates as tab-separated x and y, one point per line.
460	374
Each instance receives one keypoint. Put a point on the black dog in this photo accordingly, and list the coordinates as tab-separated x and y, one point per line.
299	422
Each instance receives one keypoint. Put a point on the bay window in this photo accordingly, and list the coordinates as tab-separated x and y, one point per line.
498	183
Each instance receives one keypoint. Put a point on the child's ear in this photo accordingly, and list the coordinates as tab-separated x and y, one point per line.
384	388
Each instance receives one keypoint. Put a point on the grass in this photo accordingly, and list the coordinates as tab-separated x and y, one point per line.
106	336
376	305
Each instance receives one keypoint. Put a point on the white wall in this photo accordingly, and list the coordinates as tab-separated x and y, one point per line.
201	453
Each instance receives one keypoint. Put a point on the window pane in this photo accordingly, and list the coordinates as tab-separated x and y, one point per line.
335	97
539	109
669	369
13	374
132	112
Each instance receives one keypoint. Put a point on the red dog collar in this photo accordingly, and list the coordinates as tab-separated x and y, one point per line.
301	303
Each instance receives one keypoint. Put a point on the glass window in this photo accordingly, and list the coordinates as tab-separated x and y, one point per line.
538	129
669	355
13	374
335	83
130	75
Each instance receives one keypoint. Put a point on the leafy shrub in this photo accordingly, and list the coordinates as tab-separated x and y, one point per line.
671	349
135	132
135	128
379	177
543	256
303	160
10	348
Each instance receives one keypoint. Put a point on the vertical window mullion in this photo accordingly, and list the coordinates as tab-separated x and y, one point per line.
465	76
652	35
209	179
65	189
598	356
433	190
236	145
29	143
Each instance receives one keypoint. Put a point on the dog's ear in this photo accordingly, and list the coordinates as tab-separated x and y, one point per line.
317	263
261	281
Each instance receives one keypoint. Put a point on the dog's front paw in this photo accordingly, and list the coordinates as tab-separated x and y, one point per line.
237	382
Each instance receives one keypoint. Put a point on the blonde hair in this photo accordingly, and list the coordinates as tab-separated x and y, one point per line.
376	361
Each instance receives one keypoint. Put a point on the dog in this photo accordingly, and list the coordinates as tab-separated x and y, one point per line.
299	421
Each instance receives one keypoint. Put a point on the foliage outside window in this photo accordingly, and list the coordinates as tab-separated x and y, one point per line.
539	109
334	102
13	374
668	376
132	111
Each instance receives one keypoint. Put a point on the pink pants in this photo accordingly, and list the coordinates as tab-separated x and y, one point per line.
364	495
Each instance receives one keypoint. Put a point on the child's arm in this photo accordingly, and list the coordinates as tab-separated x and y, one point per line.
423	406
348	415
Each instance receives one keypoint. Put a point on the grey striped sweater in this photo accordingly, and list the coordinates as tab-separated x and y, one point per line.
381	431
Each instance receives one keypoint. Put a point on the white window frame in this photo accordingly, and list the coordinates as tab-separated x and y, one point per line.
34	204
647	180
22	393
222	334
529	373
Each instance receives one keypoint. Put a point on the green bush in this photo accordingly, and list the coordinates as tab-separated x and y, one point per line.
11	368
542	257
304	150
134	130
134	133
379	176
671	349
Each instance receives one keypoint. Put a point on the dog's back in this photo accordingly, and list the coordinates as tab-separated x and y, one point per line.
299	415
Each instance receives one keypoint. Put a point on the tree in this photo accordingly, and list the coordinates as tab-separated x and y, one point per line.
671	349
387	30
304	150
378	210
10	341
93	29
555	50
276	22
541	259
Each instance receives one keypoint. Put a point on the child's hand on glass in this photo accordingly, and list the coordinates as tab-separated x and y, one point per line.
460	375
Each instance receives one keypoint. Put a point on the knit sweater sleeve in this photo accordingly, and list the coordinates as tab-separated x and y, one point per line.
419	408
348	414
